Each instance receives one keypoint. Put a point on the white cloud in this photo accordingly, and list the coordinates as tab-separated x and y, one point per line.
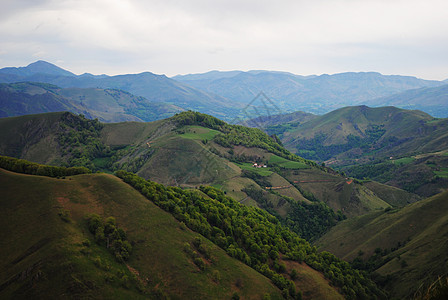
321	36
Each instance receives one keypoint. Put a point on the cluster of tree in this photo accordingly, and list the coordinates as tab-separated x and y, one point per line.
262	198
408	177
80	140
109	235
252	235
196	118
309	221
280	129
26	167
382	171
199	248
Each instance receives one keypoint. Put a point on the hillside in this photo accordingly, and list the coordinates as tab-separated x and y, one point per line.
275	121
193	149
39	245
153	87
407	245
395	146
106	105
431	100
315	94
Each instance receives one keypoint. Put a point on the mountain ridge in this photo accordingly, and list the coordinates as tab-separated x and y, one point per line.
157	88
108	105
315	94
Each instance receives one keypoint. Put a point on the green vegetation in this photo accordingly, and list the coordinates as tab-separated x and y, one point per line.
285	163
26	167
308	220
280	129
79	139
442	173
403	160
198	133
424	176
402	246
109	235
251	235
249	168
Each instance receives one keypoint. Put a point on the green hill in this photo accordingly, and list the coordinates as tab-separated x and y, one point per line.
399	147
407	245
45	234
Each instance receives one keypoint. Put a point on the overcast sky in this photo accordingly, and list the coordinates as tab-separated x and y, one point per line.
406	37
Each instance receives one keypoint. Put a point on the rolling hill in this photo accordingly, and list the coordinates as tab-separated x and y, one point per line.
315	94
82	222
432	100
407	245
40	245
188	151
107	105
155	88
193	149
400	147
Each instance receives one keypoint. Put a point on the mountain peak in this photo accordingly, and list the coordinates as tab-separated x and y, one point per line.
44	67
38	67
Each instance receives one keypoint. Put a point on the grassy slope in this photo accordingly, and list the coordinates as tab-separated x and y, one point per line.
174	157
41	247
30	137
395	196
351	198
421	229
417	131
356	119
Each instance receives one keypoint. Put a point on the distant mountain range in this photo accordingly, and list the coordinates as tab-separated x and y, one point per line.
315	94
107	105
155	88
229	95
432	100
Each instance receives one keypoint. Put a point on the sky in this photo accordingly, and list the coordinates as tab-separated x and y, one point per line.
402	37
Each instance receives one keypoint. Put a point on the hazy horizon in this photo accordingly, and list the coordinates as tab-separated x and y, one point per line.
186	37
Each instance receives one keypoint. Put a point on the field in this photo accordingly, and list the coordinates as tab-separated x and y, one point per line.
403	161
285	163
442	173
199	133
249	166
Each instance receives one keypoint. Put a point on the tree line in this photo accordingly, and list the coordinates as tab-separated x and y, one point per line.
26	167
253	236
